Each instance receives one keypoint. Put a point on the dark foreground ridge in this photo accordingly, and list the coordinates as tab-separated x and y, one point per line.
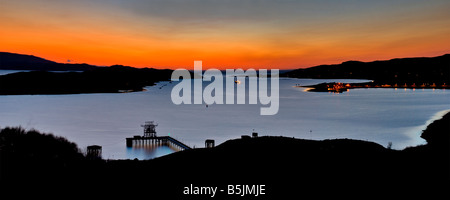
287	167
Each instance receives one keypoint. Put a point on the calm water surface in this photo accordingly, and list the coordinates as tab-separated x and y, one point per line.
379	115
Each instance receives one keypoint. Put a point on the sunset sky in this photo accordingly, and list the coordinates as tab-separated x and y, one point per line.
224	33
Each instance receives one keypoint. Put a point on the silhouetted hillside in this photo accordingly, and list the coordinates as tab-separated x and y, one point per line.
32	156
13	61
434	69
288	167
292	168
438	133
92	79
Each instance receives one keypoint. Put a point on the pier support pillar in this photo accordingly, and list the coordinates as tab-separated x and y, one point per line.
129	142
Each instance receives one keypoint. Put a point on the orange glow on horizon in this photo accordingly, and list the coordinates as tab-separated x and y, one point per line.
103	37
60	47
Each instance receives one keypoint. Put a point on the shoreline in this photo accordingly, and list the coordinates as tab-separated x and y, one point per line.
102	80
334	165
338	87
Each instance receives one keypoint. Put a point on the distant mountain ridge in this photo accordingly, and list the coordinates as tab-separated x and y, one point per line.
14	61
394	70
91	79
425	69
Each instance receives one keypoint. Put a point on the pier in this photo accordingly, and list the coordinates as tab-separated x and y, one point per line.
162	140
150	138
